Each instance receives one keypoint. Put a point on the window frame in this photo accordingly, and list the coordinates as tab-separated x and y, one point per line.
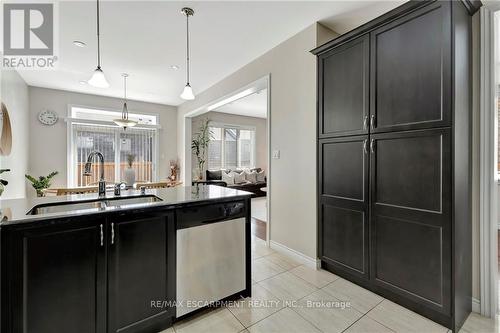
237	127
70	138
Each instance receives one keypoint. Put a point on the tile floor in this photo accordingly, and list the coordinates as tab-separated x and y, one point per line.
292	295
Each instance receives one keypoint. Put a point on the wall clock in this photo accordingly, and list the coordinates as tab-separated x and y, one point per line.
48	117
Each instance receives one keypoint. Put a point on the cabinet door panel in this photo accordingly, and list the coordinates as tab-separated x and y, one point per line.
410	68
410	216
344	94
343	234
408	257
58	273
409	172
343	169
344	237
140	272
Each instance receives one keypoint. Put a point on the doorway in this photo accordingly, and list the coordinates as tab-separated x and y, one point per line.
238	152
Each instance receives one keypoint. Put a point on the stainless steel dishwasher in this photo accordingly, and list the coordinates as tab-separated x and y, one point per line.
211	255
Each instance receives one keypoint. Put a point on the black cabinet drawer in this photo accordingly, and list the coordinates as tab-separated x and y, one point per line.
199	215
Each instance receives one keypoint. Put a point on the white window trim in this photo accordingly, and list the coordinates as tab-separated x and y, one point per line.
487	168
239	127
70	137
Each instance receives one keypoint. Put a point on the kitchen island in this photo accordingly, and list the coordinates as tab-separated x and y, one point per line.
129	263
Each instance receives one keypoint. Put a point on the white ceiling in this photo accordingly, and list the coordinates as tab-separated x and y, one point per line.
144	38
254	105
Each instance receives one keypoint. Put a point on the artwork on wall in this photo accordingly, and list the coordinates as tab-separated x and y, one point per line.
5	132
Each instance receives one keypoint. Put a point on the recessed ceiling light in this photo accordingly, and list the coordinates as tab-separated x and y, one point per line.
83	82
79	43
175	67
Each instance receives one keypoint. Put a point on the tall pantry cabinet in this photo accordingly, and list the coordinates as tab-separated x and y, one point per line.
394	157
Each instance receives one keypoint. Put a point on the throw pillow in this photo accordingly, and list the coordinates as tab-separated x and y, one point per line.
251	176
228	178
261	176
239	178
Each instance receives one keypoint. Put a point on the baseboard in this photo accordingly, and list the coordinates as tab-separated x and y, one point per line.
476	305
296	255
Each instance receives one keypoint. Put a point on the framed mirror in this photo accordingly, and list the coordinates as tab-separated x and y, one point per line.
5	132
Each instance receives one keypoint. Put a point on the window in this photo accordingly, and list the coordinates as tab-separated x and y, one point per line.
91	130
231	147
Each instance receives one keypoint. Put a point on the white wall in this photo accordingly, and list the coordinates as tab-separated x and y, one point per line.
48	144
260	125
293	131
14	94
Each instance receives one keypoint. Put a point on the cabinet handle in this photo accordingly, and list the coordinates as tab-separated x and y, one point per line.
372	121
365	146
112	233
372	146
102	236
365	123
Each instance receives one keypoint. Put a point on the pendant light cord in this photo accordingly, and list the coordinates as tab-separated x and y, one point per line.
98	39
125	109
187	45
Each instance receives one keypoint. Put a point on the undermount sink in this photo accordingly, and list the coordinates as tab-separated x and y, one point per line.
100	204
131	201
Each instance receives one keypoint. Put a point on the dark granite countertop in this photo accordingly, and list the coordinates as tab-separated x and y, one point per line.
15	211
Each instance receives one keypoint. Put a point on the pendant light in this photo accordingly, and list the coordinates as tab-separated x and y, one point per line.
98	79
124	121
187	93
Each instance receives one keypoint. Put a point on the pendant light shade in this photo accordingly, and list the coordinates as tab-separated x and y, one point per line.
98	79
124	121
187	93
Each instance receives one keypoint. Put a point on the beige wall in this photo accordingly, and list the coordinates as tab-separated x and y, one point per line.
292	69
14	94
48	144
260	125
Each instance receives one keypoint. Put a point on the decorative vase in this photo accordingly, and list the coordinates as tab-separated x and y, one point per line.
39	193
197	174
130	176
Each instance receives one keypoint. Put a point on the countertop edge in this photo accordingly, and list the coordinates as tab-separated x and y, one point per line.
165	204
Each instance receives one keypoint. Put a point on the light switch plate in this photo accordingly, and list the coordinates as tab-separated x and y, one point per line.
276	154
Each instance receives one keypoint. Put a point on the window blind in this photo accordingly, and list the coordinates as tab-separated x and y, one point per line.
116	144
231	148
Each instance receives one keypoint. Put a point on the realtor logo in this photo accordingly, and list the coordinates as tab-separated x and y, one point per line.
28	29
29	36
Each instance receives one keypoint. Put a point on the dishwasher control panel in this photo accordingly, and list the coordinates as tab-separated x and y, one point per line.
210	213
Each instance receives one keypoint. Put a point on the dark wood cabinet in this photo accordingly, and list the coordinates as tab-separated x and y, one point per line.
58	279
344	204
411	215
90	275
394	212
141	272
411	70
343	99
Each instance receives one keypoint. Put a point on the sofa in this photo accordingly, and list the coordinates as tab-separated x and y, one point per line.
215	177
